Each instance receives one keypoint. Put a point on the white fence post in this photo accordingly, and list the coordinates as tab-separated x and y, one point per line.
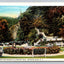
45	53
32	53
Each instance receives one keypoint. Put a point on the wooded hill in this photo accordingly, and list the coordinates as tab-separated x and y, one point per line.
49	19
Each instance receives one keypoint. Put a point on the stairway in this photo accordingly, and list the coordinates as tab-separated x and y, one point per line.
35	44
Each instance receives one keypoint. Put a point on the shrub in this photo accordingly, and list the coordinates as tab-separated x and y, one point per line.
39	51
21	51
36	50
12	50
54	49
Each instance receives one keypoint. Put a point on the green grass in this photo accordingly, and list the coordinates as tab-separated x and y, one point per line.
59	56
19	57
62	48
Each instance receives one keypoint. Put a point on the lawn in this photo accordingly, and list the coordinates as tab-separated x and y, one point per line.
59	56
62	48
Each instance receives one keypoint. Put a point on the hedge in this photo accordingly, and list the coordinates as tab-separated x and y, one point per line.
36	50
11	50
53	50
39	51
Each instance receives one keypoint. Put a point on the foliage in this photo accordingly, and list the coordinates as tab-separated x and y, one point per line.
36	50
62	31
39	23
4	31
48	19
26	26
39	51
11	50
20	35
53	50
53	18
11	21
32	34
3	24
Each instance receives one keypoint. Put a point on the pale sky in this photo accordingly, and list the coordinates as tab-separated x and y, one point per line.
12	11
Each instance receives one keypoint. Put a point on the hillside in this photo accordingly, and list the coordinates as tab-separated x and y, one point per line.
48	19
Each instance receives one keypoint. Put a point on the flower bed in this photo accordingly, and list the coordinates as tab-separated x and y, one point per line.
36	50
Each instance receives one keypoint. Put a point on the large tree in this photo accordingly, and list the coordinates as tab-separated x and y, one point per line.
4	31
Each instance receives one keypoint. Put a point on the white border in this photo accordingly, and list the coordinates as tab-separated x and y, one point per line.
32	4
30	59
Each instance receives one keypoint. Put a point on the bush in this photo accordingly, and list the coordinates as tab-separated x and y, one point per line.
39	51
12	50
27	51
54	49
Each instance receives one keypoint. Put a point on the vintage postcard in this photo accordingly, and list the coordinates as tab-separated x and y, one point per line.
31	31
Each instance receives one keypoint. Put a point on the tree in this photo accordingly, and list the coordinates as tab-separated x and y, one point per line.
53	18
39	23
26	25
32	35
62	31
11	21
20	35
4	31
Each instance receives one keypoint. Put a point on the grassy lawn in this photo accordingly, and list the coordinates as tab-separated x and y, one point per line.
62	48
20	57
59	56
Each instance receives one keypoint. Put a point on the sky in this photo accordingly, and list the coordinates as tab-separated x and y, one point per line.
12	11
